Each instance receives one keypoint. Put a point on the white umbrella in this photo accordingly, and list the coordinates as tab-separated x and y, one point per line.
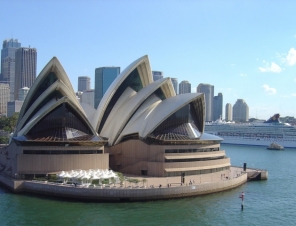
61	174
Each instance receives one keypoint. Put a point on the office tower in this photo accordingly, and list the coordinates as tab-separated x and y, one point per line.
208	90
4	98
218	107
104	76
83	83
25	69
23	93
157	75
88	97
184	87
13	107
175	84
240	111
228	112
8	63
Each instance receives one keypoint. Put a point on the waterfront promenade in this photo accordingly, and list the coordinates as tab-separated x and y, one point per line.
153	189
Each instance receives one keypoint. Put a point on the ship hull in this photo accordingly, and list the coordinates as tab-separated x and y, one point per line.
255	142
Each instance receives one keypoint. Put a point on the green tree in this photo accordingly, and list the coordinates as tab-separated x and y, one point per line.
4	140
121	177
3	122
12	121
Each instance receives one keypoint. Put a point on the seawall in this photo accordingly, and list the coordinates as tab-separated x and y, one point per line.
121	194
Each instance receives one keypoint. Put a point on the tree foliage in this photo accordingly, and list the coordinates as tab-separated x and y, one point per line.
3	140
8	123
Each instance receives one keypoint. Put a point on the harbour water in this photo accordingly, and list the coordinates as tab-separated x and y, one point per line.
270	202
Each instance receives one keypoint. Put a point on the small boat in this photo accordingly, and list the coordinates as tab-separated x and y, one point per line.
274	146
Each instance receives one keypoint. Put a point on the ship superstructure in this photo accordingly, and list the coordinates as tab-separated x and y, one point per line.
255	133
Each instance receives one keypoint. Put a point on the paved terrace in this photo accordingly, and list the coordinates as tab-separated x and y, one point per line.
201	184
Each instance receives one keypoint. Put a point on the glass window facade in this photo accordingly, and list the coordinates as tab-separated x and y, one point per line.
61	152
195	172
63	123
56	94
104	76
191	150
47	82
181	123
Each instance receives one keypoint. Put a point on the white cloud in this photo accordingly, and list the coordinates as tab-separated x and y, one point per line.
232	65
241	74
282	57
272	68
291	57
268	90
294	79
293	94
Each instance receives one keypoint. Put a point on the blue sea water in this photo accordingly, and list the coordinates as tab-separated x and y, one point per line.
270	202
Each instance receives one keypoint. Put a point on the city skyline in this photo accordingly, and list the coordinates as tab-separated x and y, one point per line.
241	48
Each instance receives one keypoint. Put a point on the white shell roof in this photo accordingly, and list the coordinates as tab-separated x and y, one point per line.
124	109
57	85
153	116
52	66
143	66
49	106
65	88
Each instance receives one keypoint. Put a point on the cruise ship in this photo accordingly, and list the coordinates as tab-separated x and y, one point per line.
259	133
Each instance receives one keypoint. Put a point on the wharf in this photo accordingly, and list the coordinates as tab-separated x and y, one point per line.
253	173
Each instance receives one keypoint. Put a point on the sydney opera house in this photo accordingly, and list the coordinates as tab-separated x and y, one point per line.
140	127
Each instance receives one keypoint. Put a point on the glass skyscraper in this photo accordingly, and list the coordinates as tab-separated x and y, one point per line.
184	87
8	63
83	83
208	90
157	75
175	84
104	76
218	107
240	111
25	69
228	112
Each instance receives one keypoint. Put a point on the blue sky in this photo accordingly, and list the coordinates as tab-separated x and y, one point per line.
246	49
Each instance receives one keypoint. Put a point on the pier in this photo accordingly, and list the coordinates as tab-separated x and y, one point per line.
253	173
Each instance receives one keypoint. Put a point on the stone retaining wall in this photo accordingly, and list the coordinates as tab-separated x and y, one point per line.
130	194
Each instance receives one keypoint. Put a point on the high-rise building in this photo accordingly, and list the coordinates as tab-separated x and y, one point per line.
208	90
13	107
8	63
240	111
157	75
228	112
184	87
88	97
23	93
175	84
4	98
218	107
83	83
25	69
104	76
